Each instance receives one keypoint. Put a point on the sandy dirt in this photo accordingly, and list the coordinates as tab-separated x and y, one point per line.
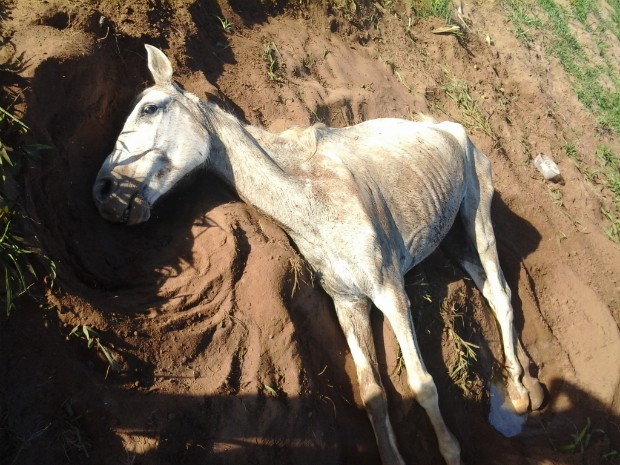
229	351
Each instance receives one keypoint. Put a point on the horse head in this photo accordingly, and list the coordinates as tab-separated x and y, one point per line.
161	141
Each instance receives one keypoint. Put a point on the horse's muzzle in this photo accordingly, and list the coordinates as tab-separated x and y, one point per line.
120	202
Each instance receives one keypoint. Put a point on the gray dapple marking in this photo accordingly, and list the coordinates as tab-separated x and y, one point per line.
363	204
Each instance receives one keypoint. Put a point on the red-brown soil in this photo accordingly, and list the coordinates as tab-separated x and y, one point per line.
229	352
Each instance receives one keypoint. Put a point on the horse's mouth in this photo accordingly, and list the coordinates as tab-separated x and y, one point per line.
133	209
138	210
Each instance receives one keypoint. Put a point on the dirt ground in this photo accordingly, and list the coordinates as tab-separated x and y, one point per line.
229	352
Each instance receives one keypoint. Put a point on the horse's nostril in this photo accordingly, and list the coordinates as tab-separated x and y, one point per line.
104	188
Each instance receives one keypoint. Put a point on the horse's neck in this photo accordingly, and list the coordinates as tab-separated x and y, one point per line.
253	173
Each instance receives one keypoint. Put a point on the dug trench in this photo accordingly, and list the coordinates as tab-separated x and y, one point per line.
229	350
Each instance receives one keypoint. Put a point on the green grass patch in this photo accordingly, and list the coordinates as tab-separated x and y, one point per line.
588	78
15	266
581	9
607	175
610	174
596	85
615	16
17	272
523	20
580	440
611	171
432	8
613	231
563	44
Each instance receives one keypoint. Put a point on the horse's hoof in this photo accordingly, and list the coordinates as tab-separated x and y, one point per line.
536	392
529	399
519	397
521	405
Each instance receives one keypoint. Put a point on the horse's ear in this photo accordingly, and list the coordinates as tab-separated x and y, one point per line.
159	65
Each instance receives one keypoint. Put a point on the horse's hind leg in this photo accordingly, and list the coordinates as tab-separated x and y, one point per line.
354	317
488	276
461	249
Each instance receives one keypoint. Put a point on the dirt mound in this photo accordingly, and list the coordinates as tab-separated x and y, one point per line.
229	352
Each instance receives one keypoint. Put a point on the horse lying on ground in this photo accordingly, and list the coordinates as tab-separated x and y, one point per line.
364	204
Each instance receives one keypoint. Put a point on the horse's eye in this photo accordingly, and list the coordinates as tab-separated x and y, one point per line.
149	109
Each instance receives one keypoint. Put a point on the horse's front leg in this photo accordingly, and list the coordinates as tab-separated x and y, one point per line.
524	390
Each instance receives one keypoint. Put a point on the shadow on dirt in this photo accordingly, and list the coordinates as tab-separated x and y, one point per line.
67	412
82	122
208	49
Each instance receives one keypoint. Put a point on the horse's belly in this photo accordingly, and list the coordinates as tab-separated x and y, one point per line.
428	227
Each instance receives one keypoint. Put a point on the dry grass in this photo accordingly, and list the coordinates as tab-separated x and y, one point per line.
471	114
460	366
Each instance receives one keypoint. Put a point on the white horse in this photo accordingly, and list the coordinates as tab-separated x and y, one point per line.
364	204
